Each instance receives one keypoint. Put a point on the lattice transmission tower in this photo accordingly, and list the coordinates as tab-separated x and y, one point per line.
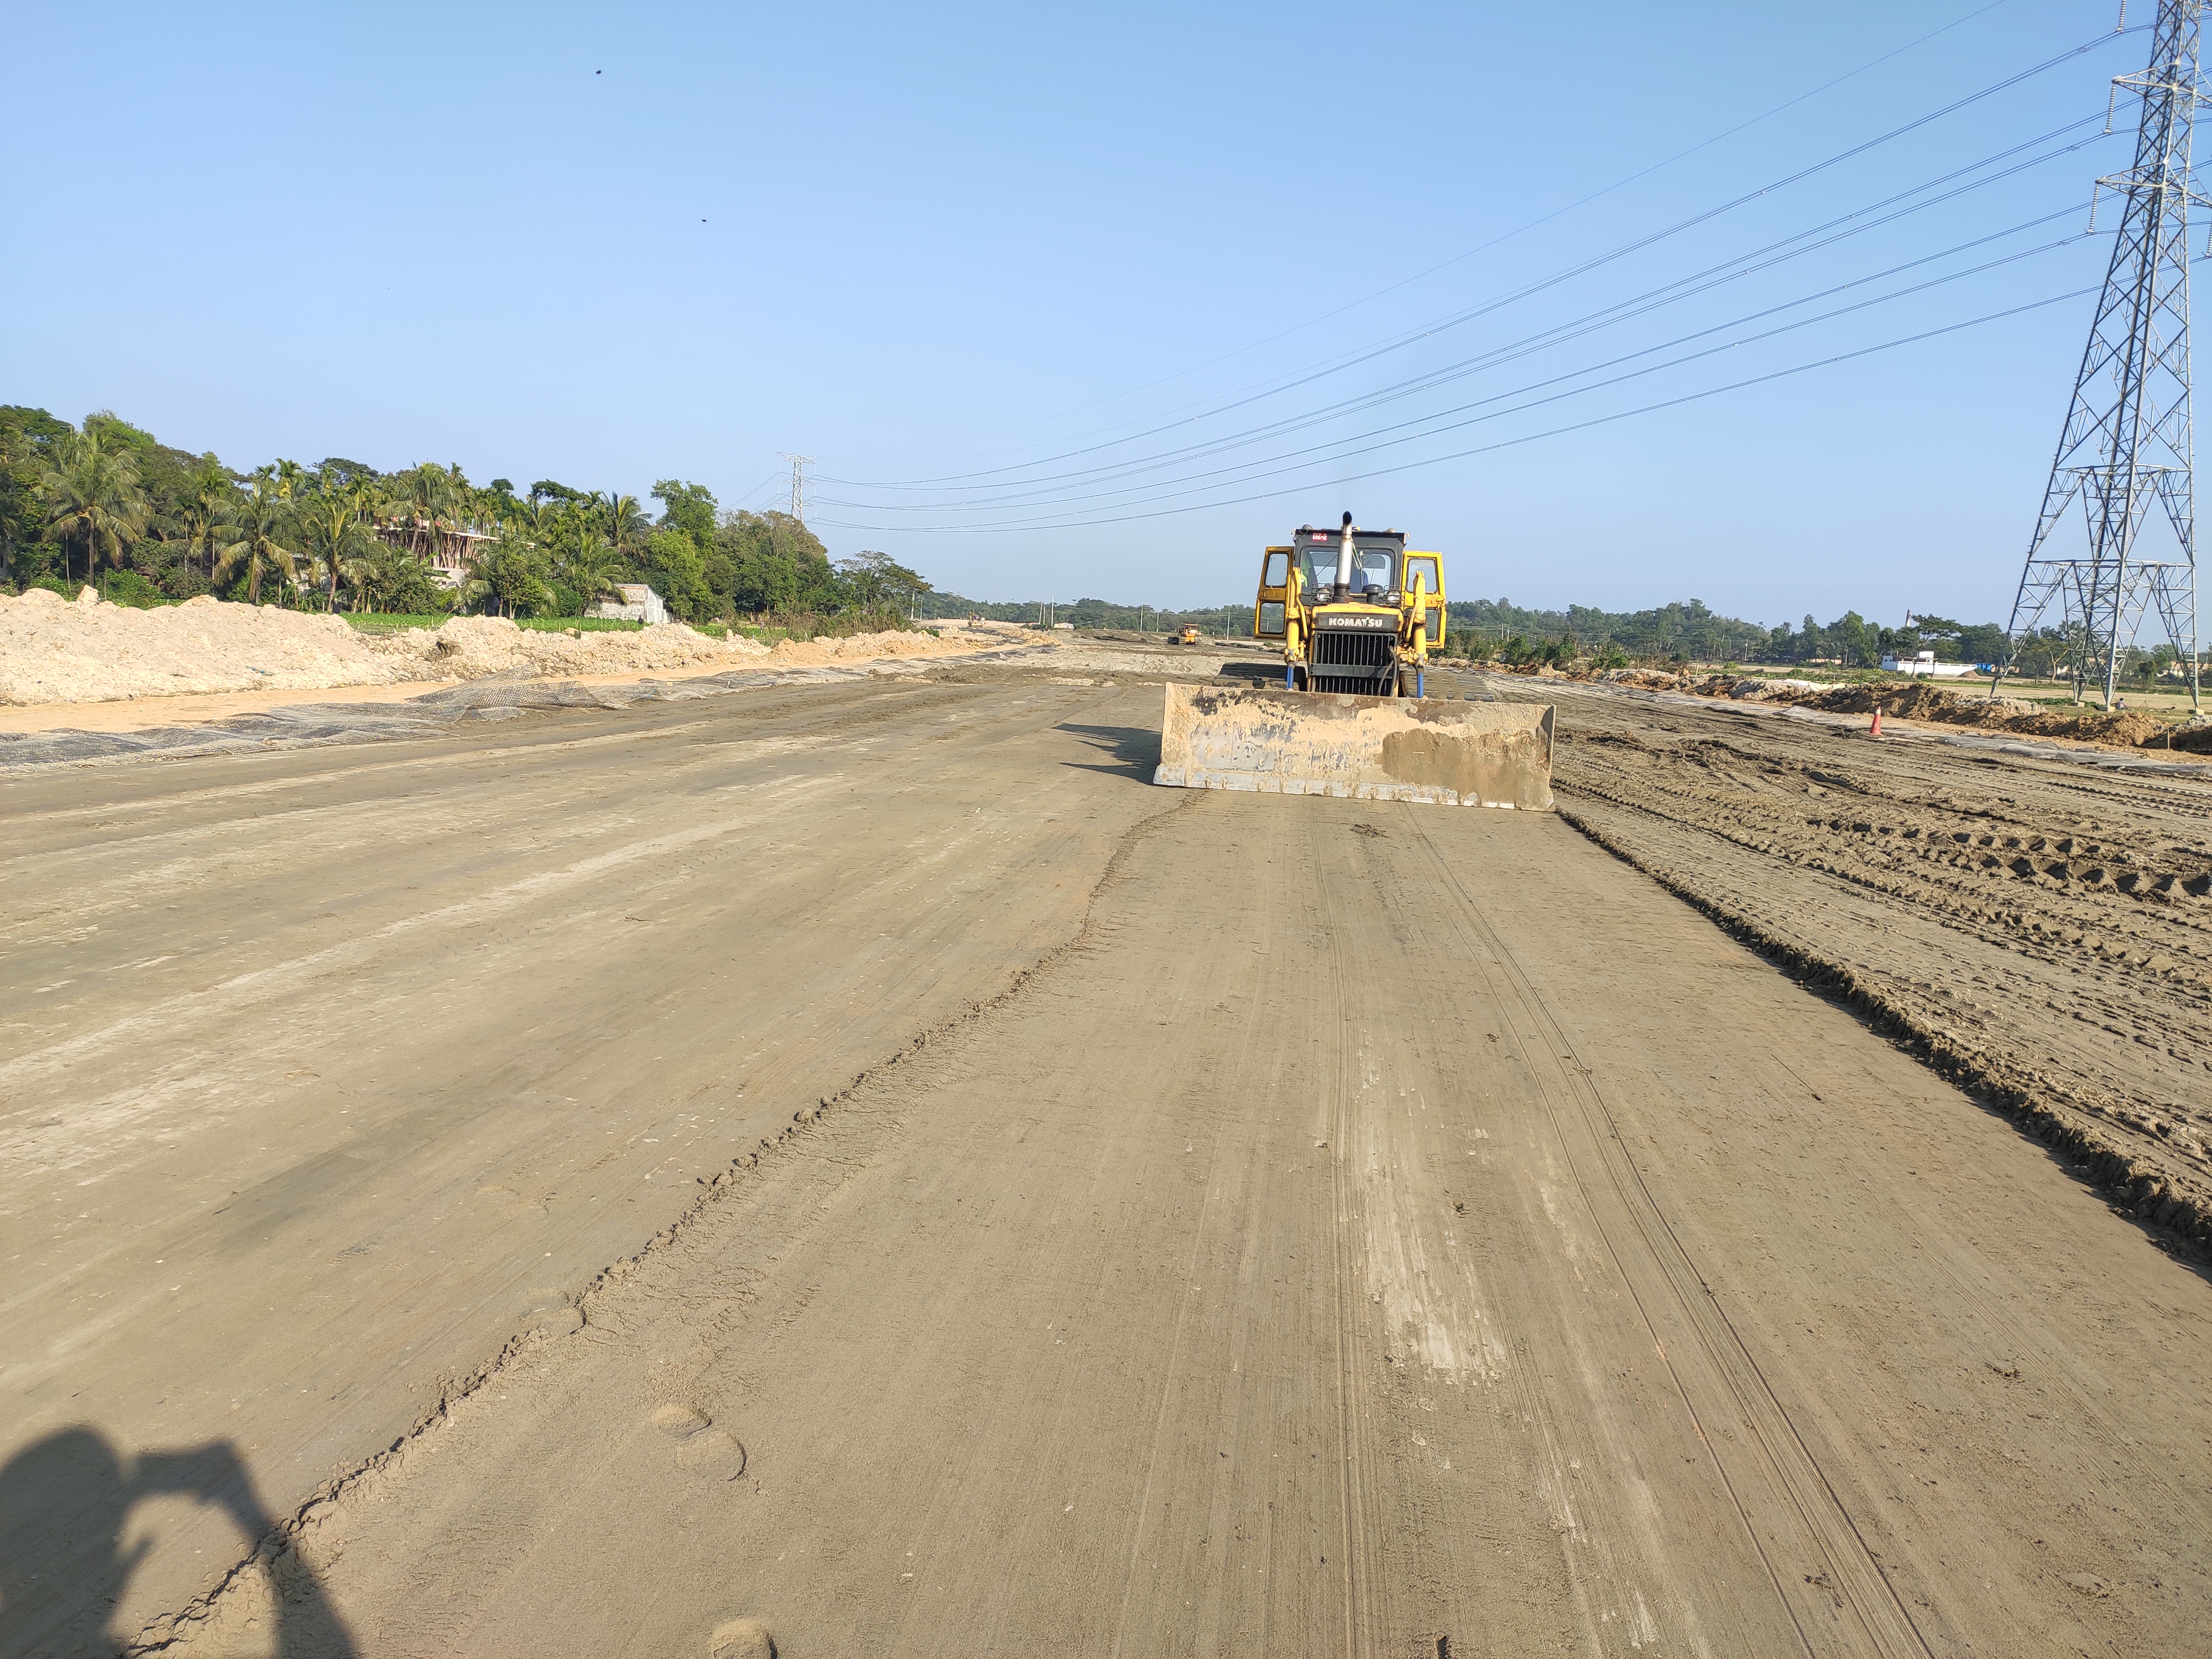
2127	441
798	465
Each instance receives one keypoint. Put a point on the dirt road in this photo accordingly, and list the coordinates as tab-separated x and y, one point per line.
1236	1226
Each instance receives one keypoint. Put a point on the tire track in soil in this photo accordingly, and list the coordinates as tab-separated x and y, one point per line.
1795	1486
2032	930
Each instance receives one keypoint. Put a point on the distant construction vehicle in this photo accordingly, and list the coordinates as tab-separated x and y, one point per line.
1356	613
1186	635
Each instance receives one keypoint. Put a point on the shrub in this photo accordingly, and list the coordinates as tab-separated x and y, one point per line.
129	587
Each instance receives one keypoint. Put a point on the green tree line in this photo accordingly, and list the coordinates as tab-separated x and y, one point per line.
1235	619
108	504
1691	630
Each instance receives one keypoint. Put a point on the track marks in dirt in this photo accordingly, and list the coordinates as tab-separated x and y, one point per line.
1784	1501
2037	930
1281	1269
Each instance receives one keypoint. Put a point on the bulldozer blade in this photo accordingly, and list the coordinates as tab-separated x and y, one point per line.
1306	743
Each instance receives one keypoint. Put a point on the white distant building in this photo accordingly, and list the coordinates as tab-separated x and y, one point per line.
1924	662
640	604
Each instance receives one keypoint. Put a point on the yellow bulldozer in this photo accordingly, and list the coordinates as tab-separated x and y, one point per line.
1356	613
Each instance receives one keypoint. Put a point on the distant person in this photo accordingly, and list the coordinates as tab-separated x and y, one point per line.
63	1505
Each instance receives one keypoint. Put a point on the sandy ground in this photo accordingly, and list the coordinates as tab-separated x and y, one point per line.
857	1157
2035	927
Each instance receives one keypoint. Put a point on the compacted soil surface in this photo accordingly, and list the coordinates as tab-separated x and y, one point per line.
855	1162
2040	929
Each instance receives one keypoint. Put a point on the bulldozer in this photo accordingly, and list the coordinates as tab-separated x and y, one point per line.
1357	614
1186	635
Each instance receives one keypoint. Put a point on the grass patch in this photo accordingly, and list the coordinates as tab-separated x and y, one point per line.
388	621
393	622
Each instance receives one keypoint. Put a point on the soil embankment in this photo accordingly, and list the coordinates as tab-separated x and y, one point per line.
1911	700
57	651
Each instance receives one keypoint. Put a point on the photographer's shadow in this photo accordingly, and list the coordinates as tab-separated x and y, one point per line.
64	1503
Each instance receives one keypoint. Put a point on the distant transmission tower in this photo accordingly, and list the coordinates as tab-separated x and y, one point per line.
798	465
2127	434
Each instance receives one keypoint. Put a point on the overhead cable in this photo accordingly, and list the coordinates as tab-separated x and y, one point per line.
1583	268
1335	449
1503	443
1733	269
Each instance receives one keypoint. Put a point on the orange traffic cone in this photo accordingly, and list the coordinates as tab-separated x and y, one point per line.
1877	720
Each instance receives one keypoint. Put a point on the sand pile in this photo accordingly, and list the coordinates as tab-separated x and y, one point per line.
54	650
865	647
474	647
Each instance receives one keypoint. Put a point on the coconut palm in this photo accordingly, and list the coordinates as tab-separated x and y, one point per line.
536	520
92	495
423	495
264	525
590	566
624	522
206	516
336	542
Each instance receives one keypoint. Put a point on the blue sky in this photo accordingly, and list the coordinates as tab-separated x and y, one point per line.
939	249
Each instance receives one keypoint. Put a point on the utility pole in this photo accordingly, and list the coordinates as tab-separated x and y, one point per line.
2127	438
798	465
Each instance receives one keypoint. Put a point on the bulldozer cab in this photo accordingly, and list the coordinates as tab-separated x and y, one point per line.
1378	562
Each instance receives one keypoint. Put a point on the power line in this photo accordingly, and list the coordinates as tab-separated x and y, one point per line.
746	497
1335	450
1504	443
1583	268
1716	276
1522	229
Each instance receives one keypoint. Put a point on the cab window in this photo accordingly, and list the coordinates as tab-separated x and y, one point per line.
1370	566
1426	570
1271	619
1278	570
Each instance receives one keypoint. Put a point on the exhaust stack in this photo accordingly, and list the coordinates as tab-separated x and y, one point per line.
1343	589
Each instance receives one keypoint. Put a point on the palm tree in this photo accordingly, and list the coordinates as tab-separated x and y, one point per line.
337	542
206	515
263	523
539	521
422	494
92	493
590	567
625	523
